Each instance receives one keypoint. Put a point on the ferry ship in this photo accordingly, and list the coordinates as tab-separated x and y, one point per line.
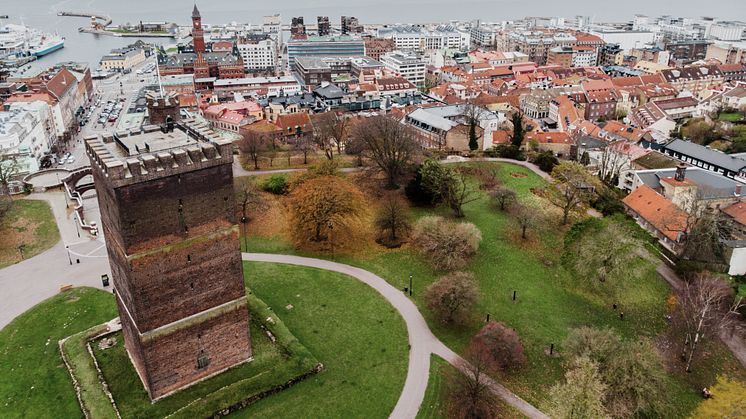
22	41
46	45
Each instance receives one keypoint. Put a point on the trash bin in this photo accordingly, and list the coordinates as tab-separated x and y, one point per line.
105	280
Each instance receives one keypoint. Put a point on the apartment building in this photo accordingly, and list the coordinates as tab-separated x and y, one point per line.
406	65
258	55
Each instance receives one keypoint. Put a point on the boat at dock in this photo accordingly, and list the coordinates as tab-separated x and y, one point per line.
22	41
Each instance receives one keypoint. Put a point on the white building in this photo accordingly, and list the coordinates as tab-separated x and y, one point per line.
27	129
416	38
627	40
584	56
406	65
727	31
484	34
258	56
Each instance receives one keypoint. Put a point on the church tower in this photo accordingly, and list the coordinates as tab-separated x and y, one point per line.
198	34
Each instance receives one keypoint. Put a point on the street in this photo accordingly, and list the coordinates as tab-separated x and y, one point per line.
115	88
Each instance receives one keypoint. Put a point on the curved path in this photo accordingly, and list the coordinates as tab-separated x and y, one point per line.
421	340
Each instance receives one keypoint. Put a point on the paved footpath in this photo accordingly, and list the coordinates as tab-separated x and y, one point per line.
421	340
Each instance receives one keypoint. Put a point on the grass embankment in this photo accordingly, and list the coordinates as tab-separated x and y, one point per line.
550	302
359	338
273	365
34	382
29	224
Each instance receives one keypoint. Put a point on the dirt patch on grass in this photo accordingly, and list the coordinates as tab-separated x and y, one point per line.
518	175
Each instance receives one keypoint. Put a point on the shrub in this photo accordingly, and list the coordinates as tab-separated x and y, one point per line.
276	184
502	347
506	151
326	168
608	202
546	161
503	197
451	297
417	193
446	244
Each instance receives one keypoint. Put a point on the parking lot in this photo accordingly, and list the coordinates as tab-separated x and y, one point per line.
112	99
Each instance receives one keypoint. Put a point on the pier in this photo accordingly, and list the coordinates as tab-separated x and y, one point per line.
100	23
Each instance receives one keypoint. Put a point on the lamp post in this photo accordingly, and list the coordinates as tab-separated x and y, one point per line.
75	218
410	285
331	237
70	259
245	220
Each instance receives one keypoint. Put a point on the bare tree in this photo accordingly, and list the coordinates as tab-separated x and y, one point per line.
250	201
526	217
304	145
9	169
271	150
390	144
393	218
252	144
572	188
329	131
469	389
503	197
458	193
342	129
707	305
612	162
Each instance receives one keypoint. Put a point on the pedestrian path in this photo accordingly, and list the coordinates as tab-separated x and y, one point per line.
421	340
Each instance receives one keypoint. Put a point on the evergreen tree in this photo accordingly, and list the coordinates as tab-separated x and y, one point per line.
518	132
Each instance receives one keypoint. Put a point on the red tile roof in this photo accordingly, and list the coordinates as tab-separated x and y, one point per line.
293	120
549	137
654	208
500	137
61	83
737	211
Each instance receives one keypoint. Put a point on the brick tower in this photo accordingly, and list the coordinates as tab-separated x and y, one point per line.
198	34
161	107
168	216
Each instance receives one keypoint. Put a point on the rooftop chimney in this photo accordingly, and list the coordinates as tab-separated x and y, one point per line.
680	172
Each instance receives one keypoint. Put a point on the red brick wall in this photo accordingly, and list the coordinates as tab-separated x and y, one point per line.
181	281
172	359
150	209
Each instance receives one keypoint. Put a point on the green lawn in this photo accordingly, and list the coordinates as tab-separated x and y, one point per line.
549	302
30	224
730	117
347	326
34	382
271	367
433	406
355	333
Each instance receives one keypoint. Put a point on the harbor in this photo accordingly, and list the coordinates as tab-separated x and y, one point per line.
101	25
